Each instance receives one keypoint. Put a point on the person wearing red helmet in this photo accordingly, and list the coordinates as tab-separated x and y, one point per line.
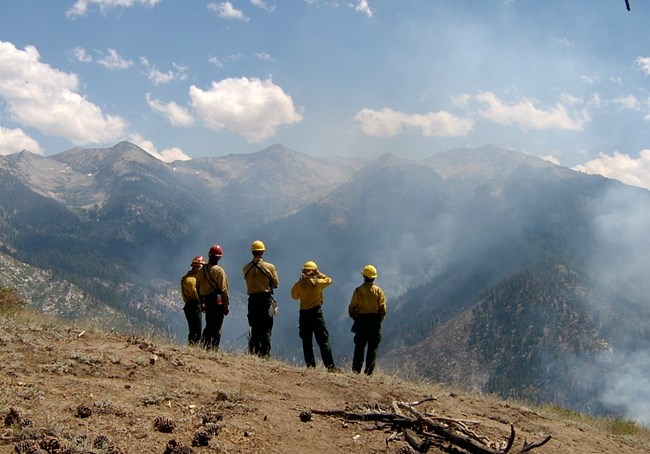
212	287
192	306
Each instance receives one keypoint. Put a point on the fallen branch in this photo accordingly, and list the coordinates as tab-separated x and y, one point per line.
422	431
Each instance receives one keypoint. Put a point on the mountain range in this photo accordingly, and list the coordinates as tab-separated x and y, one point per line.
504	273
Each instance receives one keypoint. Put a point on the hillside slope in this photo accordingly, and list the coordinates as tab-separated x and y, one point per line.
71	390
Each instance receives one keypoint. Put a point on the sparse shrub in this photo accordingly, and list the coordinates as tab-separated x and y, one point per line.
164	424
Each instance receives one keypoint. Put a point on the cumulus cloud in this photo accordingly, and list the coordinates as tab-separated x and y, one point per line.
253	108
622	167
527	116
47	99
226	10
15	140
166	155
81	7
177	115
388	122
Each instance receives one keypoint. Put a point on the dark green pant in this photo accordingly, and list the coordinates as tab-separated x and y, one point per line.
311	323
211	337
194	322
261	323
367	333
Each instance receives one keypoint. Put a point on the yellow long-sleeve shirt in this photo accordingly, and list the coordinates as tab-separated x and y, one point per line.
206	284
368	298
188	286
260	276
309	290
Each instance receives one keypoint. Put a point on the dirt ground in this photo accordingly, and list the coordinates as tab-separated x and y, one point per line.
66	390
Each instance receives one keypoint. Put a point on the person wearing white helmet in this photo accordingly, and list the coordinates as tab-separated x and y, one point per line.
311	323
212	286
192	305
261	279
367	308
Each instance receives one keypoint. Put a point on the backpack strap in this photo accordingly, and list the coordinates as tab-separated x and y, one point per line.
256	265
208	276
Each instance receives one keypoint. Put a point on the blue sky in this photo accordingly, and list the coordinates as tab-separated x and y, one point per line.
563	80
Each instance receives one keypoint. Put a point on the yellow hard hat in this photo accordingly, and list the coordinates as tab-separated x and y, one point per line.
369	271
257	245
310	265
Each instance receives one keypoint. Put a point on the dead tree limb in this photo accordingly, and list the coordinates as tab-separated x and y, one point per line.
529	447
421	431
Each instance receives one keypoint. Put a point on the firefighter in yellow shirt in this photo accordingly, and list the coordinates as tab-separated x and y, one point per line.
311	323
261	279
212	287
192	306
368	309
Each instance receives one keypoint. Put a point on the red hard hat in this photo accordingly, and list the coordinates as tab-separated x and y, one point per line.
215	251
198	260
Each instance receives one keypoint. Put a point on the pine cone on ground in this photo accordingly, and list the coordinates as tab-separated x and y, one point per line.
201	438
83	412
13	416
164	424
26	447
176	447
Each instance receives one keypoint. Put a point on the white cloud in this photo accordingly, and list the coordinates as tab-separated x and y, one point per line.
177	115
45	98
158	77
263	56
527	116
226	10
15	140
81	55
388	122
80	8
253	108
552	159
628	102
590	80
644	63
113	60
622	167
262	4
362	6
216	62
166	155
110	60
